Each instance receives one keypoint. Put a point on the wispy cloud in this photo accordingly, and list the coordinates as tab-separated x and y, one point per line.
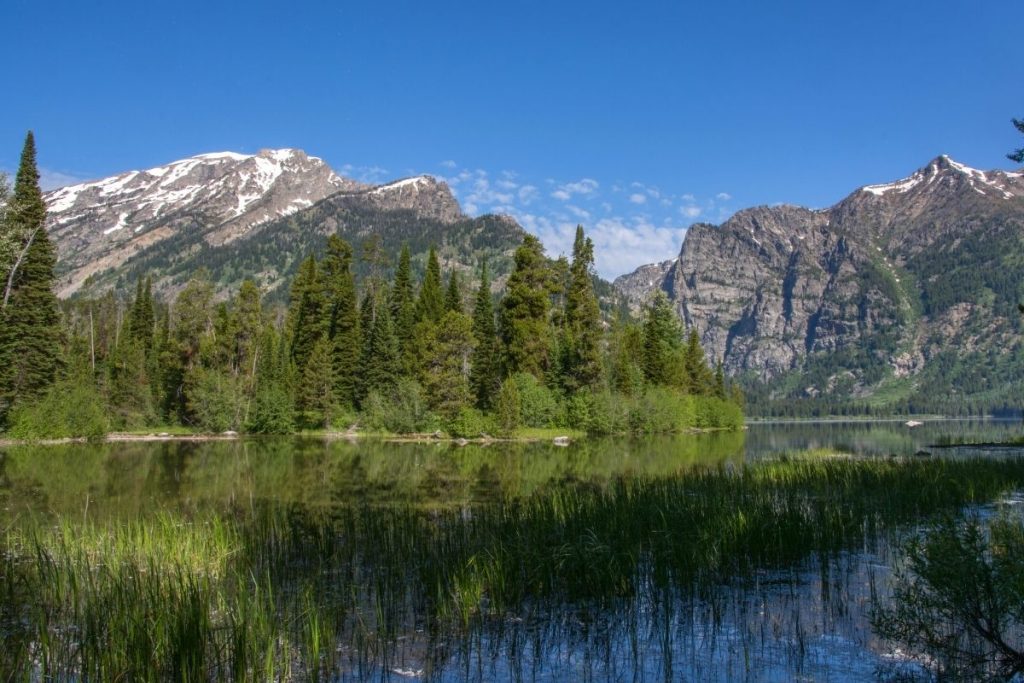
638	198
50	179
366	174
586	187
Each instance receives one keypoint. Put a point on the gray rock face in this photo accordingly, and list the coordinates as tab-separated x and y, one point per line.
889	278
636	287
98	226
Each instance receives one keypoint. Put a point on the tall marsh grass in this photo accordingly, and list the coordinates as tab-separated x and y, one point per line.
281	592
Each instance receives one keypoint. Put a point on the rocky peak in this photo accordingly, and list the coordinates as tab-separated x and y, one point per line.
424	194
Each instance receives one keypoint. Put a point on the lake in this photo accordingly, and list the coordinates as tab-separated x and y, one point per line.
674	558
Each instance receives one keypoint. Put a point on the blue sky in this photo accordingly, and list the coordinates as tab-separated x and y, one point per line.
635	121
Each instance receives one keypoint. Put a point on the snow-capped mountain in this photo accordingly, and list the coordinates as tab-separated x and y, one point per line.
251	216
221	196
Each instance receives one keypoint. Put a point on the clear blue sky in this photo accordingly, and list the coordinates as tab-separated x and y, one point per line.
633	120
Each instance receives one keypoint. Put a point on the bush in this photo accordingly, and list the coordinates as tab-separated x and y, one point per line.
273	411
71	408
538	405
216	401
470	423
960	600
661	410
401	410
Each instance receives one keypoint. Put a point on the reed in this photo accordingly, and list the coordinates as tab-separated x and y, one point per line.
286	591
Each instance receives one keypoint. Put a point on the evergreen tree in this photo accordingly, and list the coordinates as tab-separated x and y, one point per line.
272	411
507	406
446	372
700	380
247	327
141	316
453	295
306	312
343	324
719	380
316	400
403	311
430	305
582	326
1017	154
483	374
525	331
381	363
662	344
627	354
29	316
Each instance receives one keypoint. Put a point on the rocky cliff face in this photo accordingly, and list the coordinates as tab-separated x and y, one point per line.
853	297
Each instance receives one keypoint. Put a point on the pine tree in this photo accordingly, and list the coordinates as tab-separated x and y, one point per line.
662	344
316	401
525	331
403	311
700	380
483	374
1017	154
582	343
343	323
248	324
430	305
29	316
446	372
453	295
381	363
141	316
306	312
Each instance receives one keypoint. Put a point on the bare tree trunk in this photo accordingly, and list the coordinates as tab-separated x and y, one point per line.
14	268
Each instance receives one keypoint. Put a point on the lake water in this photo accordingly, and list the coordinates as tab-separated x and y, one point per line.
431	561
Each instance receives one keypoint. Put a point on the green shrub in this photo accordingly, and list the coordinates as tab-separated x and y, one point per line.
538	405
507	409
402	410
470	423
273	411
71	408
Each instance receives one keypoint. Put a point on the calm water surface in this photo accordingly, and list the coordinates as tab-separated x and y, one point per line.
806	620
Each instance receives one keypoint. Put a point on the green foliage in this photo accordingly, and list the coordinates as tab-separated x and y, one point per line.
484	377
1017	154
525	330
316	403
581	338
538	405
307	312
70	408
447	351
960	599
507	408
662	344
30	335
401	409
430	304
471	423
216	399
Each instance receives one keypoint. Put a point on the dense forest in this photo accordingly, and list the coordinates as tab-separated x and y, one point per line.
358	346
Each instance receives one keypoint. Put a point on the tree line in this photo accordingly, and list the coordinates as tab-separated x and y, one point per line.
383	352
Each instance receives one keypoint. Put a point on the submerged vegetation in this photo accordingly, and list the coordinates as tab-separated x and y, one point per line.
239	587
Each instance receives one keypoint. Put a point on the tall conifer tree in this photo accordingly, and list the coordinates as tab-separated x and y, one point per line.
453	295
525	330
582	343
306	313
484	377
29	316
430	305
343	323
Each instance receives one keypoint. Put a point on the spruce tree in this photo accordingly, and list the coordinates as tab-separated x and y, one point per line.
430	305
453	295
582	344
1017	154
403	310
525	331
381	363
662	343
699	377
29	316
306	312
141	316
446	371
343	328
484	378
315	399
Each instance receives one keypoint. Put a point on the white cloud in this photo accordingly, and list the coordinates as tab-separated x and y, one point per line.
449	164
562	195
688	197
638	198
586	187
373	175
51	180
582	214
527	193
723	196
690	211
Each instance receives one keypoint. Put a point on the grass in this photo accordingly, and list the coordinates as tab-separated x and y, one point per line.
279	592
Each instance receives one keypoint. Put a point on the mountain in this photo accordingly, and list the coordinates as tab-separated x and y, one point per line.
252	216
902	292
